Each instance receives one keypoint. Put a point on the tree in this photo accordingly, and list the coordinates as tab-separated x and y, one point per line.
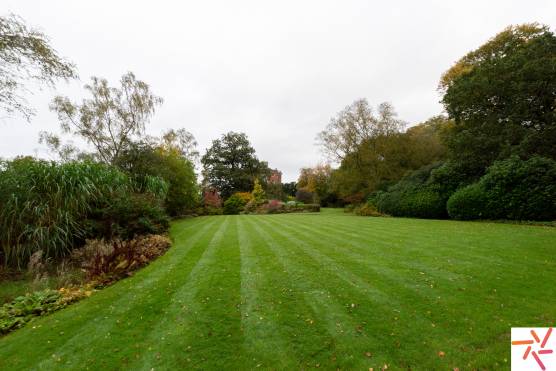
183	141
26	54
289	189
230	165
65	152
257	194
356	124
305	196
143	160
112	118
211	198
428	139
318	180
382	160
502	98
274	191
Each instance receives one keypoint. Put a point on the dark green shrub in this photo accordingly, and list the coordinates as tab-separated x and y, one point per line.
426	203
279	207
234	205
349	208
371	199
511	189
127	216
422	193
418	202
468	203
448	177
413	196
305	196
208	210
521	190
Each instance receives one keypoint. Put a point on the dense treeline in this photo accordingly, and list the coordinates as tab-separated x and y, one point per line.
128	185
492	157
124	183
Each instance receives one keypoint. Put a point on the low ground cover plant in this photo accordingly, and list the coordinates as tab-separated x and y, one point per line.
102	262
23	309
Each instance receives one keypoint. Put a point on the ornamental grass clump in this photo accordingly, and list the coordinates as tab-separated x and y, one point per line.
43	205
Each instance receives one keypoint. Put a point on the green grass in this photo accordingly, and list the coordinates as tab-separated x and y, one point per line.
309	290
12	287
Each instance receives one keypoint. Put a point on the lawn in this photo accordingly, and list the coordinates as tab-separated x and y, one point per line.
293	291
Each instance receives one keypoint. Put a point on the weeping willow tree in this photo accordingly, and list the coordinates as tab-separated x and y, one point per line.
26	55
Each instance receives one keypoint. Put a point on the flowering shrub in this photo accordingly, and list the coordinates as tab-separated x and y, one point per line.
279	207
250	207
272	207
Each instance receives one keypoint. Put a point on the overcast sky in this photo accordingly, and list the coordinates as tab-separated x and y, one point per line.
276	70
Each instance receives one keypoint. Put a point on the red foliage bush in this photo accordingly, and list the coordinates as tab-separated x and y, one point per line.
107	261
212	198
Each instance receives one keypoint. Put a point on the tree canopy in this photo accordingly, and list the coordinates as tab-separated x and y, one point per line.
317	180
502	98
355	124
230	165
183	141
111	119
144	160
383	159
26	54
